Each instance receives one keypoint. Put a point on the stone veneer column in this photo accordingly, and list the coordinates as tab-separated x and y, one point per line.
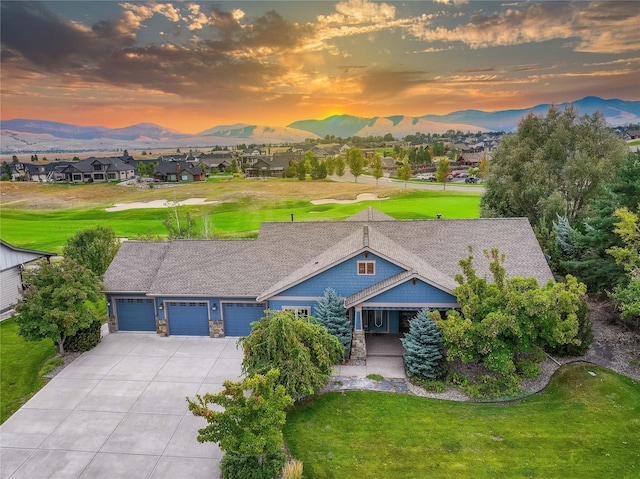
358	346
162	327
216	328
113	324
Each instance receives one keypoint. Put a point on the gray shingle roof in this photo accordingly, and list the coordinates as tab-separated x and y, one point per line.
287	253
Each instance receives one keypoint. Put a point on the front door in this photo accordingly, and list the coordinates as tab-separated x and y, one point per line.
376	321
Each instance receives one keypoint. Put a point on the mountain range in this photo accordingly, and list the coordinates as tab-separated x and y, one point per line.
40	136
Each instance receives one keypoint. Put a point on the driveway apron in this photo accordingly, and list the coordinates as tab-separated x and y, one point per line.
119	411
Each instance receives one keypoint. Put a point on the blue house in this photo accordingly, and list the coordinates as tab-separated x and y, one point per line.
385	270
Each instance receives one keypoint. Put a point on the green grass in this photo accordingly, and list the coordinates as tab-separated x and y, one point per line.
20	365
633	143
581	426
49	230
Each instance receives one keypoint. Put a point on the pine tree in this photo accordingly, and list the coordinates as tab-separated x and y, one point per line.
424	356
331	313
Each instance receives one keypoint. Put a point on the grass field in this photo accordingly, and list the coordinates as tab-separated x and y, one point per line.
582	426
20	363
44	216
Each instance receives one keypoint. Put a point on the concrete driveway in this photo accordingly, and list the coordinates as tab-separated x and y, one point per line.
120	411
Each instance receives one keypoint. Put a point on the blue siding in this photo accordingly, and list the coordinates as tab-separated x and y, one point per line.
344	278
409	293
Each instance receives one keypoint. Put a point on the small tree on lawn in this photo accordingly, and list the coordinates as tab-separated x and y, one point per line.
424	356
93	248
377	172
59	301
341	166
331	313
178	227
249	427
356	161
442	172
300	348
404	172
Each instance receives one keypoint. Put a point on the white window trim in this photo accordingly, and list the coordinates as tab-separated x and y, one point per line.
305	310
365	268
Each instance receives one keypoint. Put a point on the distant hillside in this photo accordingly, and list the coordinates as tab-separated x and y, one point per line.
399	126
39	136
617	112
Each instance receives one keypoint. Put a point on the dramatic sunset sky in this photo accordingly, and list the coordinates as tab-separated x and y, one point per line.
194	65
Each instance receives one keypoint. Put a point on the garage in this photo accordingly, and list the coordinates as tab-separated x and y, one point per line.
135	314
188	318
239	316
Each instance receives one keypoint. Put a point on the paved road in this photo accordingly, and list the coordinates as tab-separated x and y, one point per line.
369	180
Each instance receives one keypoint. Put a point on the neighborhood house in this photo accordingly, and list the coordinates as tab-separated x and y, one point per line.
384	269
13	260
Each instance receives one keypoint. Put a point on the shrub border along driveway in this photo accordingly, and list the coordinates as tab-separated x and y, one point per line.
120	411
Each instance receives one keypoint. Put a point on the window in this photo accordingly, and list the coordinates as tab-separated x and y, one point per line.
97	167
98	176
366	267
298	311
111	176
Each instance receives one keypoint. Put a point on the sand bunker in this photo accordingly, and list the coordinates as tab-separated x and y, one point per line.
359	198
159	204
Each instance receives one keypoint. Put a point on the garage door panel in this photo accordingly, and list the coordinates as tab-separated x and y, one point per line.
239	316
188	318
135	314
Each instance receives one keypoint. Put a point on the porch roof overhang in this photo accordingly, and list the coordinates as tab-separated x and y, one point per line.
387	284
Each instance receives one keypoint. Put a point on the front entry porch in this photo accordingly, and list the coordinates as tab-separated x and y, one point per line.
384	357
384	344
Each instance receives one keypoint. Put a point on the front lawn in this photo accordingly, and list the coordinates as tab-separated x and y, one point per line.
585	424
20	364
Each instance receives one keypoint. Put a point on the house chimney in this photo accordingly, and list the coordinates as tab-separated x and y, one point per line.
177	166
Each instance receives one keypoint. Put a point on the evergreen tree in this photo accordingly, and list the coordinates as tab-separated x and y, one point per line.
424	356
583	248
331	313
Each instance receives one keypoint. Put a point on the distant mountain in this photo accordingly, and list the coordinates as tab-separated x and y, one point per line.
399	126
617	112
63	130
58	130
39	136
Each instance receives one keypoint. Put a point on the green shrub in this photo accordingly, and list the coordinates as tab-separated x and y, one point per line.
493	387
431	386
51	365
248	467
375	377
459	379
85	339
585	334
527	368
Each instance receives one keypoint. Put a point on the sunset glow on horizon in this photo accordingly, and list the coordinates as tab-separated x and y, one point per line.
190	66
